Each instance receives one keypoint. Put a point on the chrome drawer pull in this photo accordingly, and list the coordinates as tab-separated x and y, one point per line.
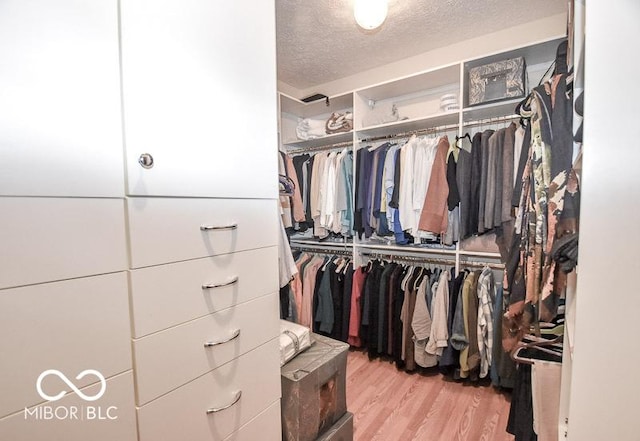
213	227
235	335
220	285
218	409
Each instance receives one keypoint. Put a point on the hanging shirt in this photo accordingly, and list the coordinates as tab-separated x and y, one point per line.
308	290
439	336
315	193
363	190
405	203
421	324
425	154
359	278
344	200
328	191
336	224
517	152
486	298
285	201
379	222
296	198
285	259
484	176
508	174
433	209
389	175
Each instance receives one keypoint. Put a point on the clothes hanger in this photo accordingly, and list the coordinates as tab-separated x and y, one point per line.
369	266
460	138
515	356
541	345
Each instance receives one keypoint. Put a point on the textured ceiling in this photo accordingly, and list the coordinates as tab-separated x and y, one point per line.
319	40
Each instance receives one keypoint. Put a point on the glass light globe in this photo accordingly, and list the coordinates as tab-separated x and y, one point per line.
370	14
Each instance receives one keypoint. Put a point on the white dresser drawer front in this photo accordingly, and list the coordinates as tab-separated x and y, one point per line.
183	413
166	230
167	295
171	358
264	427
108	418
70	326
47	239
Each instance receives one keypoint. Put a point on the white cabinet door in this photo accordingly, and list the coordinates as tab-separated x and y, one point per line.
60	107
199	84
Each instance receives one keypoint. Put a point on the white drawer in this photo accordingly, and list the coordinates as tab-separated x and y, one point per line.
167	295
264	427
109	418
47	239
182	414
171	358
166	230
70	326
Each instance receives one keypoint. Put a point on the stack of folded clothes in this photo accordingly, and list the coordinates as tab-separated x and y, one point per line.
314	128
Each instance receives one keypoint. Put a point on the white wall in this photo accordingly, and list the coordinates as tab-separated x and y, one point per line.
605	389
538	30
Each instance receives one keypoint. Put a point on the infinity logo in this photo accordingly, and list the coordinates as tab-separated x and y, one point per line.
81	375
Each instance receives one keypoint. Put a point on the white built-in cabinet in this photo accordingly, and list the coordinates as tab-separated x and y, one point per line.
417	99
162	278
199	92
60	119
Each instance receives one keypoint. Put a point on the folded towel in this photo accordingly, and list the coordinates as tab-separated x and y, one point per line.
310	128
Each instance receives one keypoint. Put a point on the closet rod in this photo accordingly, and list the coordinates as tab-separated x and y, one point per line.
307	242
320	250
320	148
469	263
412	132
445	128
395	257
489	121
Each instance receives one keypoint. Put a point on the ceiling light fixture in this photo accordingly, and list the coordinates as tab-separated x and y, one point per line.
370	14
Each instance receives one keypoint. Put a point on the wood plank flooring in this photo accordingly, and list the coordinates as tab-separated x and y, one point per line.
391	405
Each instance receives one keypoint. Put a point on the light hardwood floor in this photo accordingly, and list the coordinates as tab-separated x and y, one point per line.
391	405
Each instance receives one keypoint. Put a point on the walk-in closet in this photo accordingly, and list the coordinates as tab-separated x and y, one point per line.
290	220
433	227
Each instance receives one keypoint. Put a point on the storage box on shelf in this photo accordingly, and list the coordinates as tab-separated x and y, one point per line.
537	56
293	110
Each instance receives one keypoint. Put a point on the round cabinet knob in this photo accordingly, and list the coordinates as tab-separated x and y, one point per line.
145	160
